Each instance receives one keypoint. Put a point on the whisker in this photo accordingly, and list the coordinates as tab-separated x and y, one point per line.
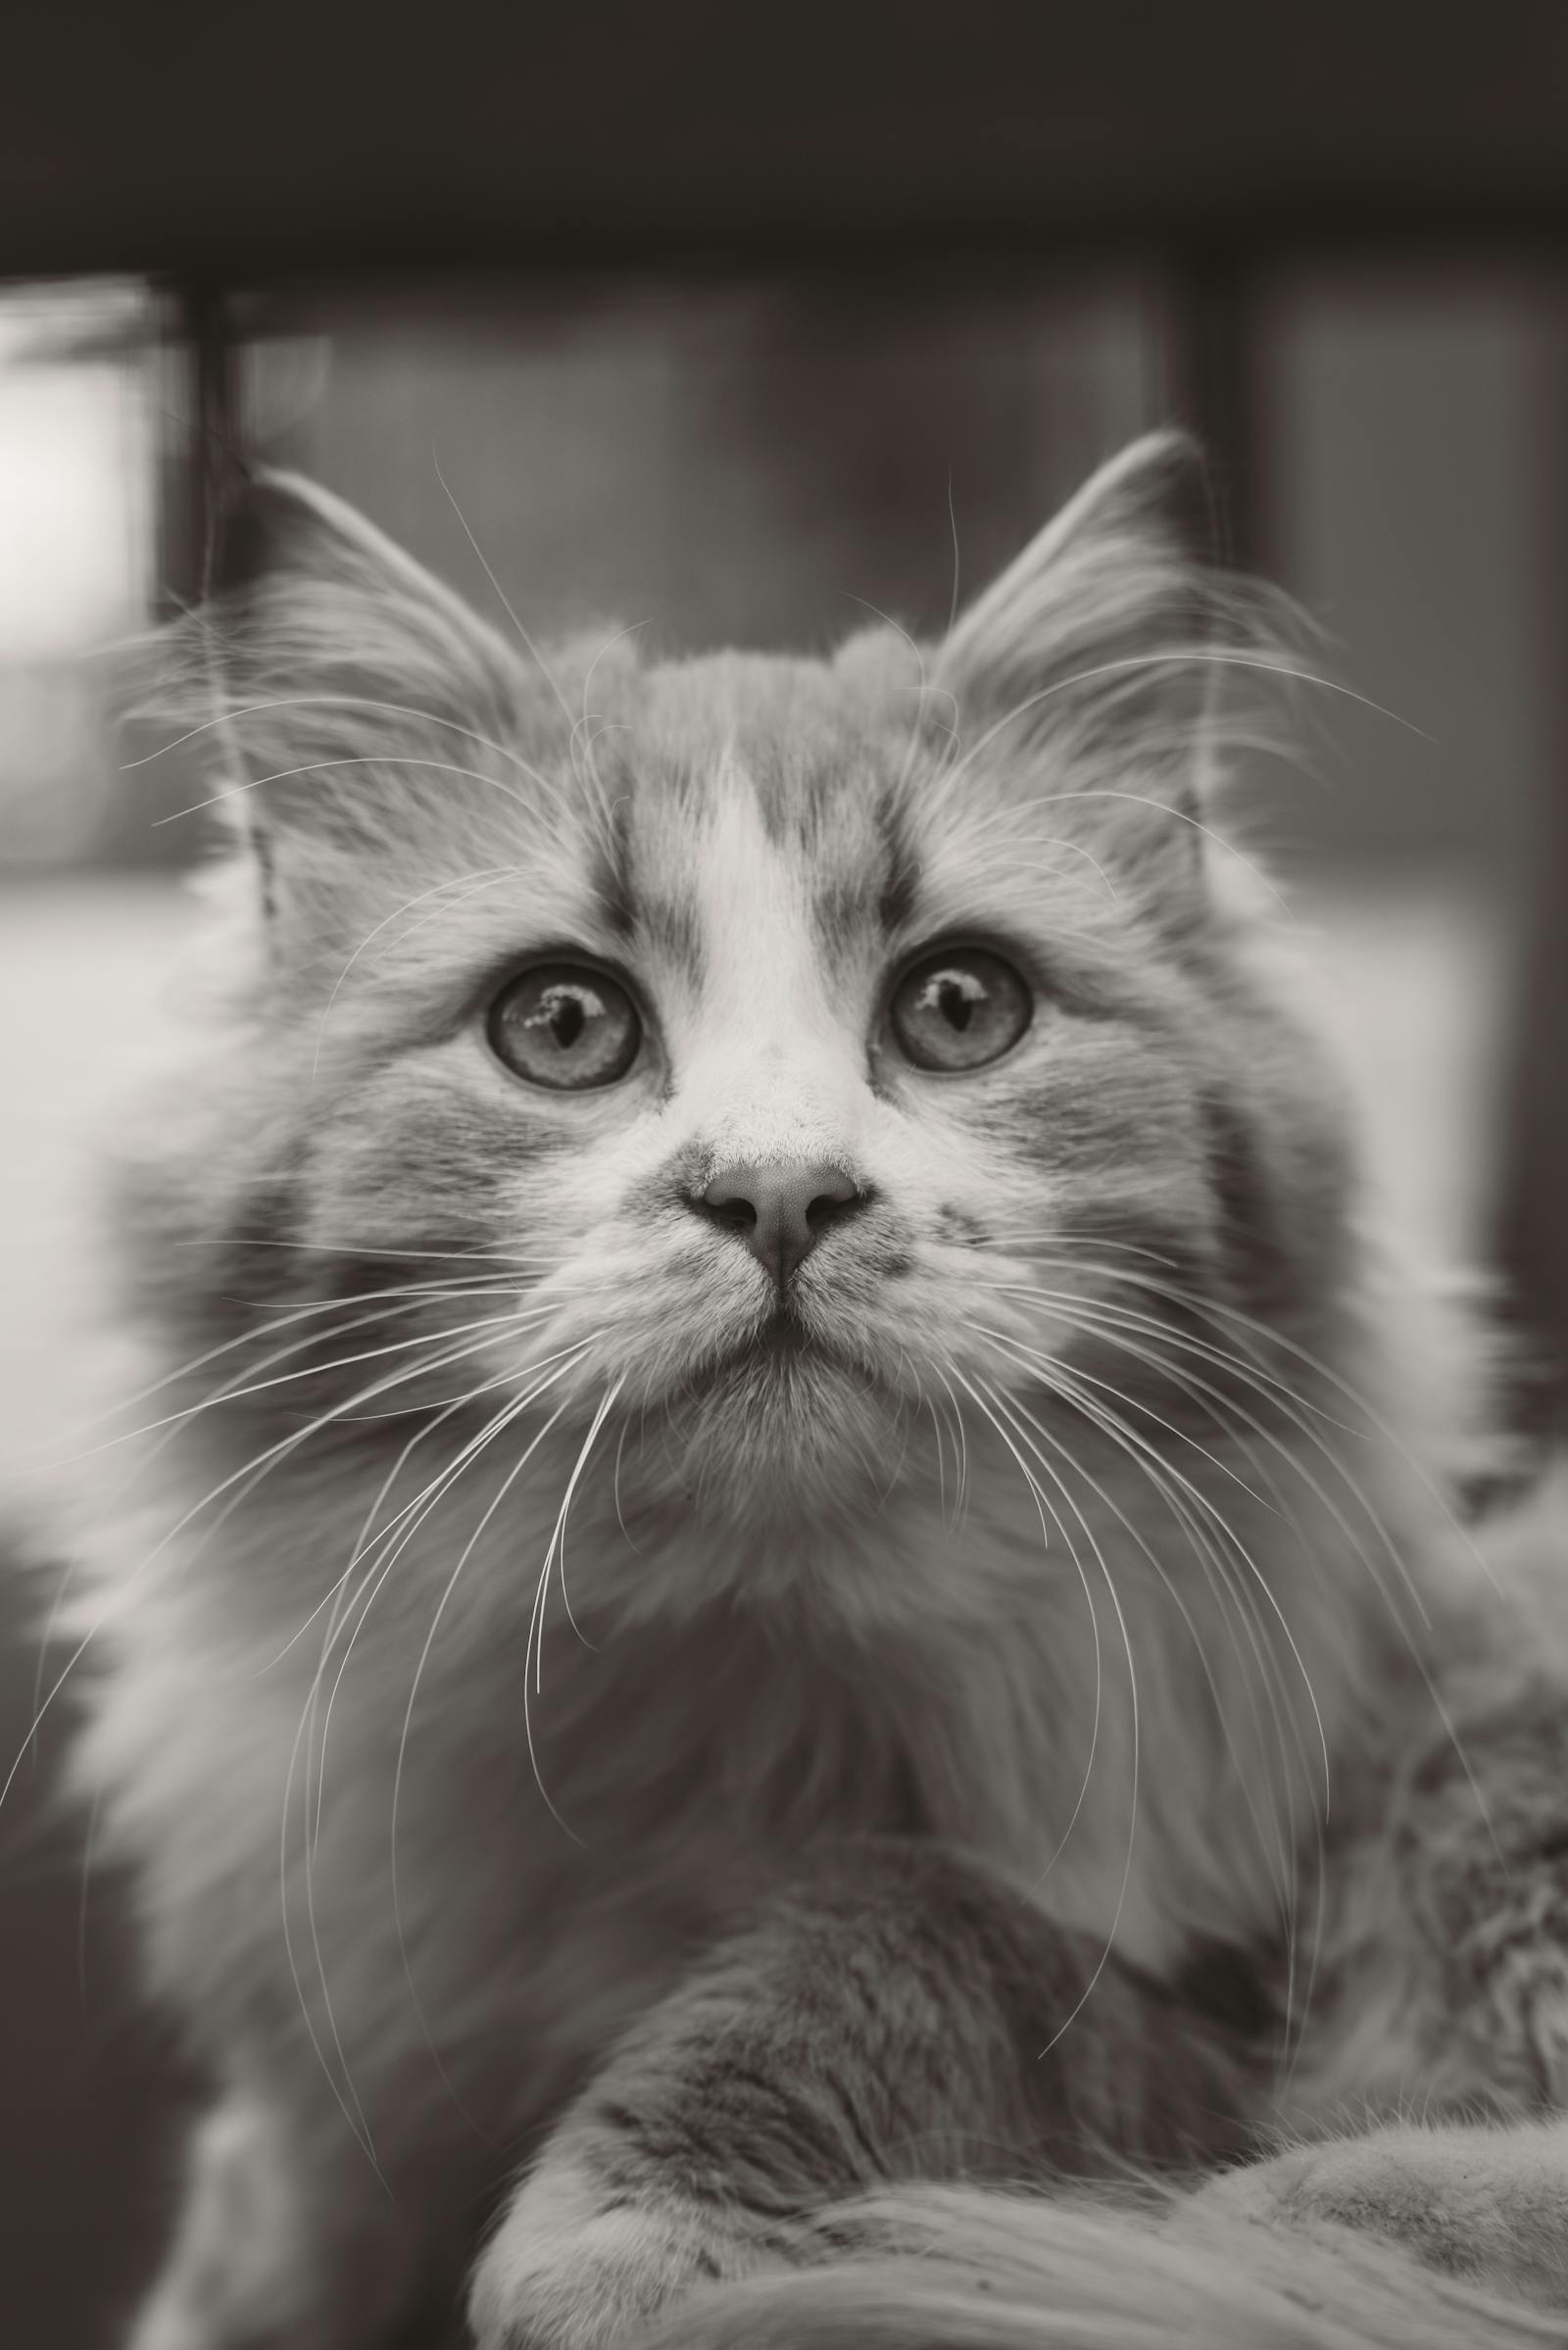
362	1602
427	1430
254	1470
247	1338
1135	1731
234	712
341	1363
922	689
1283	1839
1179	656
536	1627
487	876
415	1513
345	1249
356	2117
961	1447
1070	1379
620	1521
1042	1507
534	653
1182	1435
1209	1558
347	758
1294	1406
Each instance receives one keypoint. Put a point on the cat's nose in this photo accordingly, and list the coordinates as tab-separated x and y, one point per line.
779	1213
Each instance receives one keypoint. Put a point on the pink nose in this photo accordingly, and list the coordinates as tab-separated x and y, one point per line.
780	1212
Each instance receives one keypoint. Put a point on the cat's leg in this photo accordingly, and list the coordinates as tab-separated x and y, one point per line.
1446	1957
232	2272
335	2190
900	2012
287	2235
339	2182
335	2194
1488	2203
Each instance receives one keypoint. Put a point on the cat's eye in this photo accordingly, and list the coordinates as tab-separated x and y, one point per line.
959	1008
565	1026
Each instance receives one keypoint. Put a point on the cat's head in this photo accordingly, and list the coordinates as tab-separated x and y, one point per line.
786	1060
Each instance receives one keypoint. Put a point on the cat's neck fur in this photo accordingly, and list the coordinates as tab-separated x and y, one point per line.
1104	1701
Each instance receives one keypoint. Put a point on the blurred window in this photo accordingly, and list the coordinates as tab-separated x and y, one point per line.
78	444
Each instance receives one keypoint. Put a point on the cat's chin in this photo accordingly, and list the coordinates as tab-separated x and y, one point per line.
783	1427
787	1376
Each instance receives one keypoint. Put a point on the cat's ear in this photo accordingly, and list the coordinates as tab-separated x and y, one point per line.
337	686
1096	664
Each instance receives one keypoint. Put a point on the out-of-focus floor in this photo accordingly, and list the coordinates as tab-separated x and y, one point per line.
1414	984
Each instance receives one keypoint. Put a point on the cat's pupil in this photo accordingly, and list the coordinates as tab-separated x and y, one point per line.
956	1008
566	1020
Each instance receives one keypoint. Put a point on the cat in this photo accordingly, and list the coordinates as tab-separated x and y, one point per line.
788	1655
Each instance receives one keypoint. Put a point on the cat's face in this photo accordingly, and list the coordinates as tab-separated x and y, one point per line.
788	1057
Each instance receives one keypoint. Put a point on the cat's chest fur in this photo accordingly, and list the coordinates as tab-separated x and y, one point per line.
640	1776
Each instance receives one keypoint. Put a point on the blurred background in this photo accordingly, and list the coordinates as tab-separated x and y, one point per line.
724	327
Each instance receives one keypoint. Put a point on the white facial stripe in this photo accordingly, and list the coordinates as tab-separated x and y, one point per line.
773	1068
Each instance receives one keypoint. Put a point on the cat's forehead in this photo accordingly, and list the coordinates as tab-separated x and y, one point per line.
746	780
813	745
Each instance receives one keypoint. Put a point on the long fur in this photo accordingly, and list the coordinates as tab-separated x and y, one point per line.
1001	2271
495	1621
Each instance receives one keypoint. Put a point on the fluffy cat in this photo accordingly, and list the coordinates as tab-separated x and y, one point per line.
791	1585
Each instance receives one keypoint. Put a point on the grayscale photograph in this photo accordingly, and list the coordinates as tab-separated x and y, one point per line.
784	1209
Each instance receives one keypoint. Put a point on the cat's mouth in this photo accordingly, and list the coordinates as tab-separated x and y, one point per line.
780	1350
782	1339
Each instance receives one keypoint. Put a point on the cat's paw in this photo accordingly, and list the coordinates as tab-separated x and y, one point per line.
1489	2204
572	2269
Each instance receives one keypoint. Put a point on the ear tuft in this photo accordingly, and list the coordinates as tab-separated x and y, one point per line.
278	530
1155	491
1109	661
334	685
1132	553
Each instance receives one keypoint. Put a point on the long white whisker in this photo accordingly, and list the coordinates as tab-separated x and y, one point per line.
501	593
253	1470
310	1828
347	758
1179	655
1217	1572
1136	1758
1212	1561
1209	1558
341	1363
960	1443
1294	1407
487	876
232	714
1043	1505
536	1627
1069	1377
247	1338
333	1597
317	1753
400	1530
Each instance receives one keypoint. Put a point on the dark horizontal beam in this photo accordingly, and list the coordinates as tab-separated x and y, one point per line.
231	143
